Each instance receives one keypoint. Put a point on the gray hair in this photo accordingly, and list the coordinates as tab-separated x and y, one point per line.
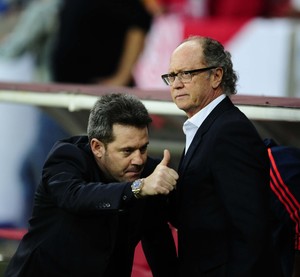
116	108
214	54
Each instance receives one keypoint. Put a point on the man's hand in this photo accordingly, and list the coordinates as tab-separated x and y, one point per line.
162	180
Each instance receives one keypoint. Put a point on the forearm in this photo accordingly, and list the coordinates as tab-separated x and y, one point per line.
133	46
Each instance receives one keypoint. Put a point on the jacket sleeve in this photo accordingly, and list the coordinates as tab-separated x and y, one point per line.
72	180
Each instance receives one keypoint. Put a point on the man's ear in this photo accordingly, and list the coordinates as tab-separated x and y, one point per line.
98	147
217	76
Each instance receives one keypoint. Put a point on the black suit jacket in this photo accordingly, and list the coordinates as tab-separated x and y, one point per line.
221	201
83	226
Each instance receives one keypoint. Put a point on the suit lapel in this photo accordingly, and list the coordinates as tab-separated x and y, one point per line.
223	106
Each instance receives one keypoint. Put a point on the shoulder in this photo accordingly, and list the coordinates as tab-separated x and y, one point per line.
72	148
71	143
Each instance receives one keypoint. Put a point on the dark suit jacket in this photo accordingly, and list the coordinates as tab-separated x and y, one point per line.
222	199
82	226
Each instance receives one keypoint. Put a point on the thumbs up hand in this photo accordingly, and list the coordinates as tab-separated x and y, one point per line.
162	180
166	158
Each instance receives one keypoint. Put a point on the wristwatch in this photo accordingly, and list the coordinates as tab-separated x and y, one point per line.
136	188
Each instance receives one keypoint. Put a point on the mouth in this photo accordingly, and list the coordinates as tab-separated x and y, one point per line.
178	96
134	174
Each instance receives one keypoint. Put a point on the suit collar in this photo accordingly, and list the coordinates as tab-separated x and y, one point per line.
223	106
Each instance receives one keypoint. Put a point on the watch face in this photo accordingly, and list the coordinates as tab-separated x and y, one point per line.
136	184
136	187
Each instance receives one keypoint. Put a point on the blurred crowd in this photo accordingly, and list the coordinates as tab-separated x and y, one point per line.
227	8
76	42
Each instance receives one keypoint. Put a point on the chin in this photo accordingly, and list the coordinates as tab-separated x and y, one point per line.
180	104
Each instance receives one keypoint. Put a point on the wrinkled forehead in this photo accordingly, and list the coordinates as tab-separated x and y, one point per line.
186	56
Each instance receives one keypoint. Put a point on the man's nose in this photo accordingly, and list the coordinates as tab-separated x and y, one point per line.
138	158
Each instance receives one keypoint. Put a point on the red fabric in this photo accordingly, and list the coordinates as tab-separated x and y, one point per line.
236	8
279	8
221	29
140	264
285	196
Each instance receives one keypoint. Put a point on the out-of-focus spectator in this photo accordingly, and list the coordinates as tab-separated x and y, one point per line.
33	35
158	7
99	41
24	58
3	6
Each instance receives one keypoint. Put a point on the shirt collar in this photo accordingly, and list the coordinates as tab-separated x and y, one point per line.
198	118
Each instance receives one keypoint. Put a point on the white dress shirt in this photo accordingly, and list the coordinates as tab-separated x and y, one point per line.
192	124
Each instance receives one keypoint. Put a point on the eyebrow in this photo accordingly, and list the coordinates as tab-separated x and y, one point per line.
134	148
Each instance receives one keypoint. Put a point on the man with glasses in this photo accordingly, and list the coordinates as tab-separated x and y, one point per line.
220	206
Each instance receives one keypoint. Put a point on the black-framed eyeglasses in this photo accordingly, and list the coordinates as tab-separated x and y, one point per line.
184	76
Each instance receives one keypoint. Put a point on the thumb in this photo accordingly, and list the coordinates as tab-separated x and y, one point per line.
166	159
